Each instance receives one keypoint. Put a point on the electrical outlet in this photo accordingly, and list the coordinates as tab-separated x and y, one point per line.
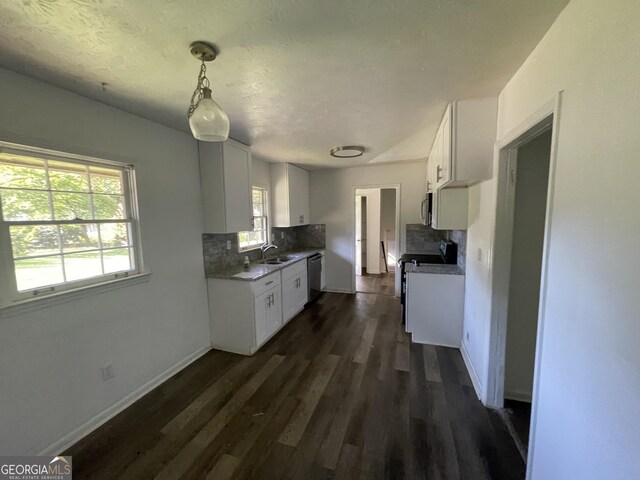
228	244
107	372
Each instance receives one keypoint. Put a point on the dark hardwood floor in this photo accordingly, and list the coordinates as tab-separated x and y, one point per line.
519	414
340	393
383	284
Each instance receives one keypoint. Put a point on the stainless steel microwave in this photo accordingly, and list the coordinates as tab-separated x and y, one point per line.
426	209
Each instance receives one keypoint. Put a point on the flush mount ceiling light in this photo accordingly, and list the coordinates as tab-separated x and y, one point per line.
350	151
207	120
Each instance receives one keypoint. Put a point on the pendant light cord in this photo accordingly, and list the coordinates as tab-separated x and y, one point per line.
203	82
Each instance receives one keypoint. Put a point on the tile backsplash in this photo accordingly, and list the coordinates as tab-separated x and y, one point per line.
303	236
218	257
423	239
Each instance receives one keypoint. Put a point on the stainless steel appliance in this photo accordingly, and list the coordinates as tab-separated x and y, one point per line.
314	276
448	255
426	209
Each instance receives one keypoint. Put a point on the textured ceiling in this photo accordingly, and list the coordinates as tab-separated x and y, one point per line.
296	77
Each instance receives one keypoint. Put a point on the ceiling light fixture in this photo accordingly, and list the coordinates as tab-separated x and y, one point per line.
207	120
350	151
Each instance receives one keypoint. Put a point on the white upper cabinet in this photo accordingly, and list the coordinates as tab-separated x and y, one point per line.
290	195
450	209
225	182
462	152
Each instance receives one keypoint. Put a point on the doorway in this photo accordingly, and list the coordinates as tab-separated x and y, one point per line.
525	180
376	225
531	174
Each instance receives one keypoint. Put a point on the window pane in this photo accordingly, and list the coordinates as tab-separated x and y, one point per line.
115	235
117	260
38	272
25	205
82	265
254	237
71	206
17	176
258	223
105	180
34	240
257	210
69	177
79	237
108	207
243	239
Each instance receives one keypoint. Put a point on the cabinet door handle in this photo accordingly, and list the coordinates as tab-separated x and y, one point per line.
268	301
273	299
269	282
438	172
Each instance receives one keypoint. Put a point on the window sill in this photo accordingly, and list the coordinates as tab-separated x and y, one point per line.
249	249
25	306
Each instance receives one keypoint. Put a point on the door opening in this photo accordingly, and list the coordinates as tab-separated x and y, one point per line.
376	226
529	174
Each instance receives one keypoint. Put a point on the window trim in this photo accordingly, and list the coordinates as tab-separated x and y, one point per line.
265	192
9	294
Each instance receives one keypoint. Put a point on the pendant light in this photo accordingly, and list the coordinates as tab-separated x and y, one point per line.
207	120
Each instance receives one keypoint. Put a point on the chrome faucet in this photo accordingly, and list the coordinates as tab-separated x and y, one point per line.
266	247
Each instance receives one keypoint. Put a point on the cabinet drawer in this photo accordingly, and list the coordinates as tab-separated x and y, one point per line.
294	269
266	283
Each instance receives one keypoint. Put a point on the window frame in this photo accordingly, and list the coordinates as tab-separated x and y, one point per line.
265	211
9	293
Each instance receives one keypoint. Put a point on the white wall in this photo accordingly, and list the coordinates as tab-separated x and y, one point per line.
526	266
50	359
260	173
332	203
586	423
388	223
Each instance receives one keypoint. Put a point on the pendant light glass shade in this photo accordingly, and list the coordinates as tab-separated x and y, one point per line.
209	122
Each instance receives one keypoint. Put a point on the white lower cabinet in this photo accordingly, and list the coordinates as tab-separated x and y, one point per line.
244	315
295	293
435	308
268	314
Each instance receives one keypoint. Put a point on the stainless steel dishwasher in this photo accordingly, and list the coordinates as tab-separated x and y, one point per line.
314	272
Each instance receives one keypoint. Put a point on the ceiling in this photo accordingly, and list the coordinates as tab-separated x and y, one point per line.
296	77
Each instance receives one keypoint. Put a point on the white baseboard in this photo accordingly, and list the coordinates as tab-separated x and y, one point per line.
477	385
106	415
518	396
337	290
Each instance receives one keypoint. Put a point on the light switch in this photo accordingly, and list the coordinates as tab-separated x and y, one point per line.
228	244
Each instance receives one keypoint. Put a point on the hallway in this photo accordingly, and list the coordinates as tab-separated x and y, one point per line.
383	283
340	392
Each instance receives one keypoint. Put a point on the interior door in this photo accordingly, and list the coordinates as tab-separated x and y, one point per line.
358	235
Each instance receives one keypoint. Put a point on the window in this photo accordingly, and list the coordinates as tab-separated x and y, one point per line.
255	238
64	222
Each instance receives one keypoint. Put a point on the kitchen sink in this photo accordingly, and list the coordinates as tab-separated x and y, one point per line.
277	260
